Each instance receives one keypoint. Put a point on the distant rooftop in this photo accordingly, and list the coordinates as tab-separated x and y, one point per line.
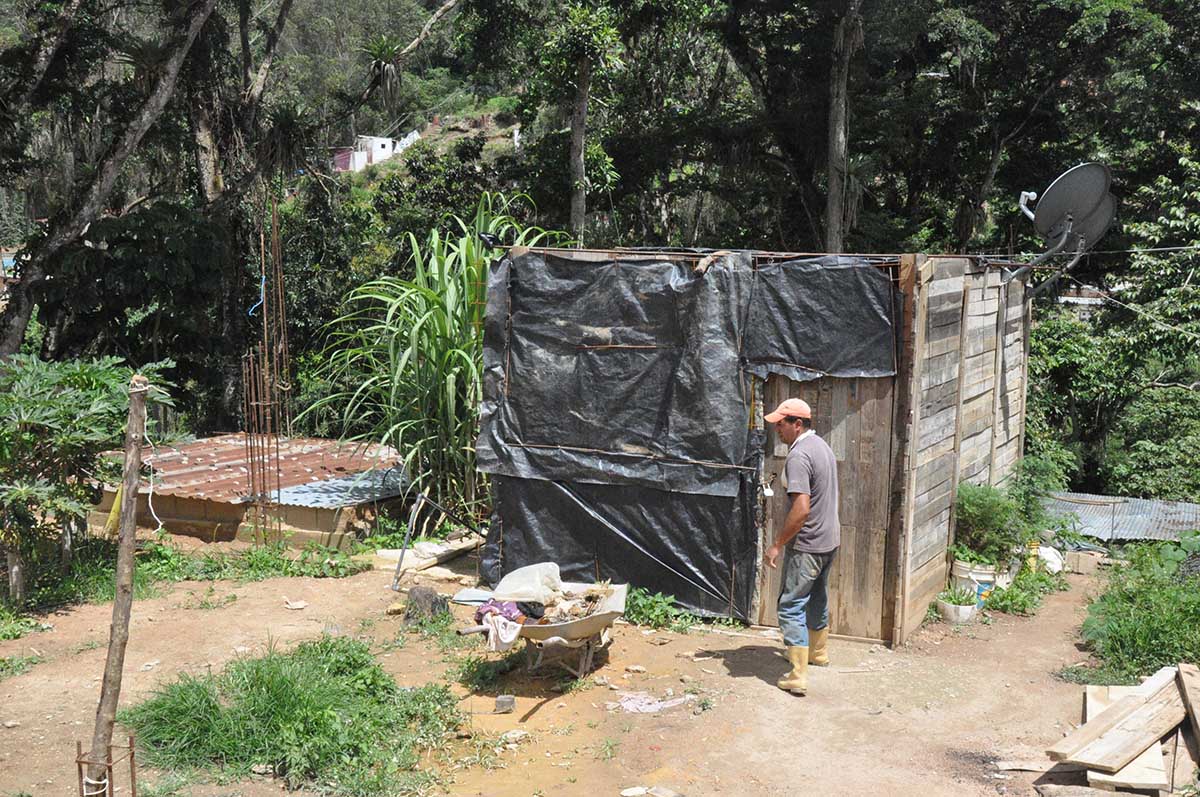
1115	518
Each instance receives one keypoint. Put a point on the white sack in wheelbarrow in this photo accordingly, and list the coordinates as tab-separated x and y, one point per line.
538	583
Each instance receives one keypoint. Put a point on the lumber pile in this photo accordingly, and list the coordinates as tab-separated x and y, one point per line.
1121	741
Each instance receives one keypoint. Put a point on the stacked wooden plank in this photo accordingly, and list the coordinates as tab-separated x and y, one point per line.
1120	742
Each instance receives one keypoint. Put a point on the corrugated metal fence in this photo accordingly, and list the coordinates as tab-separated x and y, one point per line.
1109	517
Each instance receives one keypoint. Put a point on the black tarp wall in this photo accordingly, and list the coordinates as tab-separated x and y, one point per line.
617	413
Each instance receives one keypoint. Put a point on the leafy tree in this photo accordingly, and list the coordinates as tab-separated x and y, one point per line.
55	420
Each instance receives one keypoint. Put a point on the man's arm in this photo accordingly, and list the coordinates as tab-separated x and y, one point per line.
796	516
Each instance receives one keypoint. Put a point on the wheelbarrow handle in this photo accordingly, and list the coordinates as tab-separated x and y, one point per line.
473	629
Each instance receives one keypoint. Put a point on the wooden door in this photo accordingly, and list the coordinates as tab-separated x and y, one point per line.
855	417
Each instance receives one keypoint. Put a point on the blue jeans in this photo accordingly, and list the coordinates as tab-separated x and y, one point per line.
804	595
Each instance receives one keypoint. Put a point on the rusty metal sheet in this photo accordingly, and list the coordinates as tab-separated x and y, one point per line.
214	469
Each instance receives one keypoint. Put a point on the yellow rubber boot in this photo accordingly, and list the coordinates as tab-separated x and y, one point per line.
796	681
818	653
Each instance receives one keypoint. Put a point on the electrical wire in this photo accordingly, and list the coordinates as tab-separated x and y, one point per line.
1142	250
1138	311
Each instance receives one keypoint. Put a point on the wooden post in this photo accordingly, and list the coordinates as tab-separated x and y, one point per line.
99	770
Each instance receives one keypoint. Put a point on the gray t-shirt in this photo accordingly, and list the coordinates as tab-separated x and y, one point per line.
811	468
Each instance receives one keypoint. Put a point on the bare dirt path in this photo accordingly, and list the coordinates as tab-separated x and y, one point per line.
923	720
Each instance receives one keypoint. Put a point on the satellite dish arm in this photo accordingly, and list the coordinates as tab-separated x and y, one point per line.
1079	253
1062	241
1027	196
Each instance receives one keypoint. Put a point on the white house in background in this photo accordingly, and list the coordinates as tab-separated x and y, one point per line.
371	149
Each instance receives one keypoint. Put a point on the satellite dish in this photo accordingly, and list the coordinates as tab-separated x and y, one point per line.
1072	215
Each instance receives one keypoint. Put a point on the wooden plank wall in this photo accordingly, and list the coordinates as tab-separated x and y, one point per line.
855	417
968	394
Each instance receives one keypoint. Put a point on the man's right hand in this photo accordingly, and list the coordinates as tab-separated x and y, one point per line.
773	555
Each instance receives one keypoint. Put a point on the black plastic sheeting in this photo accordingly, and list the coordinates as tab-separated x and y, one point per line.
617	372
830	316
699	548
616	415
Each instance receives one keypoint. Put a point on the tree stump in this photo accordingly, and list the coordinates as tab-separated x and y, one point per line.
424	603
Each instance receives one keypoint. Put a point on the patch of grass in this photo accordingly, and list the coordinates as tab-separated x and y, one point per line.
704	704
324	715
607	749
16	665
570	685
478	673
389	534
15	626
483	753
440	630
1085	674
1149	615
1024	596
210	600
90	577
91	644
932	615
272	560
170	784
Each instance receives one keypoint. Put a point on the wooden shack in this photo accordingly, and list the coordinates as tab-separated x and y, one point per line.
951	408
954	411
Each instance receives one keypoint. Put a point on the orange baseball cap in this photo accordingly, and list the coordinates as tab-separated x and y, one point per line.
791	408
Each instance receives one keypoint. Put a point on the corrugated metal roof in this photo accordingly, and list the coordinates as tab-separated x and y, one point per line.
312	472
373	485
1109	517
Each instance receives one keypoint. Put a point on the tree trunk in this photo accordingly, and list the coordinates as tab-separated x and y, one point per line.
970	208
847	38
110	690
208	160
15	318
66	543
575	163
15	565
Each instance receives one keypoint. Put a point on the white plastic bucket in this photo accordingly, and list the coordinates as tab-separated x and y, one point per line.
980	579
955	614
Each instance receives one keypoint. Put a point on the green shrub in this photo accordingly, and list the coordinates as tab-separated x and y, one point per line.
1149	615
324	714
1033	479
657	610
988	523
1024	596
15	626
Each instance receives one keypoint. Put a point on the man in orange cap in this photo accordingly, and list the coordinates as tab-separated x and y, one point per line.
811	535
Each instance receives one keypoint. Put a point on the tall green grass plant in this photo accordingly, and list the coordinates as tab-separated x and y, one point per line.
405	358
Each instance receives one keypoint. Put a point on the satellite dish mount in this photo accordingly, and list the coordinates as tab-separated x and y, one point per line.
1072	215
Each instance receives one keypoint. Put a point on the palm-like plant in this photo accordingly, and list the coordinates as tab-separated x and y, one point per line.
406	355
384	53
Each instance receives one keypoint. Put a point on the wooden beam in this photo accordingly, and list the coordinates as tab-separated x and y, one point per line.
1189	687
1090	731
1125	729
1144	772
904	411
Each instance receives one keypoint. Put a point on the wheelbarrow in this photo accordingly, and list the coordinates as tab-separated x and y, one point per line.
571	645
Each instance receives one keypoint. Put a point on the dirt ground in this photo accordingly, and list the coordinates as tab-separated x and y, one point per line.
926	719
